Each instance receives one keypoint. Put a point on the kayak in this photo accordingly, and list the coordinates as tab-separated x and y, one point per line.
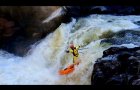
67	70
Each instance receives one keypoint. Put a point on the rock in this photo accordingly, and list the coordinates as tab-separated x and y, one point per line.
124	37
24	24
117	80
136	82
81	11
122	69
113	50
138	51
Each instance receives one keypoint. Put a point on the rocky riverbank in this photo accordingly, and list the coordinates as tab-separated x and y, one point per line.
117	66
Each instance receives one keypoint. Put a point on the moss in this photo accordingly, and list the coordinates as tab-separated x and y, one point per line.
107	34
90	38
105	44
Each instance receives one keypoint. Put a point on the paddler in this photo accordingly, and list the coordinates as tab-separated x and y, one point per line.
74	50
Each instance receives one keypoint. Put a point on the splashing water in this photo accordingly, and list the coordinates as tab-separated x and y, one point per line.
41	65
56	13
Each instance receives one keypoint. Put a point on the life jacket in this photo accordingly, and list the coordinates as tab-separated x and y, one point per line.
75	52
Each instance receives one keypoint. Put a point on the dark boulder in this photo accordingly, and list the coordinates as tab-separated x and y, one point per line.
22	26
124	37
118	66
81	11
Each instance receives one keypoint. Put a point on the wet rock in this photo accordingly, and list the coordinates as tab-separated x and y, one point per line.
138	51
81	11
117	80
113	50
136	82
117	66
24	25
124	37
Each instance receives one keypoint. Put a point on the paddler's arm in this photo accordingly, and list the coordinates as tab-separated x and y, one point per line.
77	47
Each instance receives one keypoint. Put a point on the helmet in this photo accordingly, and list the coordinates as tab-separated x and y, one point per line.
71	46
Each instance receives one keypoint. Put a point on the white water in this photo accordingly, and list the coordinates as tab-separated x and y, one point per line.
41	65
56	13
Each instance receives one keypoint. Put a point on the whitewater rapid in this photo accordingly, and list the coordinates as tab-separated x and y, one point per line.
46	57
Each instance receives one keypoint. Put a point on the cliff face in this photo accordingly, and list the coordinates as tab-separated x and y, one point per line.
21	26
28	18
